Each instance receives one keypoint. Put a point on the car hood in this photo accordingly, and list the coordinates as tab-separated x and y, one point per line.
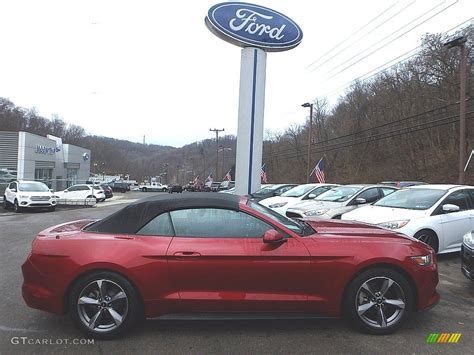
35	193
340	228
278	199
378	214
316	205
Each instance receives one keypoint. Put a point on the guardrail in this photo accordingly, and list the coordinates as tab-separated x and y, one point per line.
91	202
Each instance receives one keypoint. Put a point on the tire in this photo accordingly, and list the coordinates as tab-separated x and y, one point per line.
163	190
144	189
16	207
364	308
113	317
428	237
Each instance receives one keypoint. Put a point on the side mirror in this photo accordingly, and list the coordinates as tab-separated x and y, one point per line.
273	237
360	201
450	208
312	196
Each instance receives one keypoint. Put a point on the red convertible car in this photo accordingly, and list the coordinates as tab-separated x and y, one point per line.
217	254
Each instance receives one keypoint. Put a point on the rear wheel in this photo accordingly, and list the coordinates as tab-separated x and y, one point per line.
378	301
104	305
428	237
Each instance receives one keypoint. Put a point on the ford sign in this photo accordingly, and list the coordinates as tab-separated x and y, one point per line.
248	25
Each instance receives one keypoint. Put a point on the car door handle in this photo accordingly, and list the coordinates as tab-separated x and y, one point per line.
187	253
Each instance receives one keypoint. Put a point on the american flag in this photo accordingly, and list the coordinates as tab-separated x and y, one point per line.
319	171
228	176
196	181
210	178
263	174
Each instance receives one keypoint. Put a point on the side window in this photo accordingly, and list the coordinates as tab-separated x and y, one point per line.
160	225
284	189
370	195
386	191
85	188
316	192
72	188
12	185
213	222
459	198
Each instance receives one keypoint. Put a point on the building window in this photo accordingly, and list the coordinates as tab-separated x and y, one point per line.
44	175
71	176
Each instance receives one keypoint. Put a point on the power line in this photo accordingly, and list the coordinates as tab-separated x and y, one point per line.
348	38
386	44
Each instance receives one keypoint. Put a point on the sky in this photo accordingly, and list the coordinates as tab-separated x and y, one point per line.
125	69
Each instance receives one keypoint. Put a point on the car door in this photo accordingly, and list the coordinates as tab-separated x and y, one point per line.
218	262
455	224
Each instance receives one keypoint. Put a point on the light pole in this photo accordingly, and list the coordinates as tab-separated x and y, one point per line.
460	42
223	150
307	104
217	149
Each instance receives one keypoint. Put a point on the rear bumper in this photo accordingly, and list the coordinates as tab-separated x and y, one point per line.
467	262
35	292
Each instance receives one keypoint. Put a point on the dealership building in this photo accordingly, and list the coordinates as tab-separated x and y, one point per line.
27	156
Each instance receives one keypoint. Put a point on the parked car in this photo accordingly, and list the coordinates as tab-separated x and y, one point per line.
226	185
467	255
22	195
306	267
175	188
402	183
271	190
298	193
118	186
439	215
154	187
107	190
339	200
229	191
82	192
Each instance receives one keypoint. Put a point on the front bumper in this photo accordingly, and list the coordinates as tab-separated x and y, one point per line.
467	262
27	203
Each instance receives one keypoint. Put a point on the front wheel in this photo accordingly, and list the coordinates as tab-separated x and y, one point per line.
16	207
428	237
104	305
378	301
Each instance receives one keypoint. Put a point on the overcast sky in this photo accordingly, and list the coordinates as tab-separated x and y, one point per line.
127	68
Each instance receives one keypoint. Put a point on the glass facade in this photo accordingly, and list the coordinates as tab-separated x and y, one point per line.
44	175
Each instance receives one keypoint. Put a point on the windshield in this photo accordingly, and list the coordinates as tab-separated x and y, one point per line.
298	191
33	187
299	227
412	199
339	194
266	190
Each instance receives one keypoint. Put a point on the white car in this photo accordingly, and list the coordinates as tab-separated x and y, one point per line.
298	193
439	215
28	194
339	200
82	192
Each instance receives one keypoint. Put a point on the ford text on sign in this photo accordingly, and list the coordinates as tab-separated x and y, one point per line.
248	25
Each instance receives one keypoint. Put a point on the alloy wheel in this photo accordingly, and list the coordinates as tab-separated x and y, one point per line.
380	302
102	306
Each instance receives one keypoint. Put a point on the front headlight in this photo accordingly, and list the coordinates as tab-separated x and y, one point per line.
316	212
423	260
24	196
394	224
468	240
278	205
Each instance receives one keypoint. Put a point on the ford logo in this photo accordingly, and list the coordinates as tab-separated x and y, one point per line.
248	25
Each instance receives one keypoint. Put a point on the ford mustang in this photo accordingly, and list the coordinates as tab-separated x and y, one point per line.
222	254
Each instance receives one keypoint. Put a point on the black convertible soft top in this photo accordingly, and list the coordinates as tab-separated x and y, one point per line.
133	217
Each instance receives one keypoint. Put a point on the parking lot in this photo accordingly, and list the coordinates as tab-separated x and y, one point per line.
454	313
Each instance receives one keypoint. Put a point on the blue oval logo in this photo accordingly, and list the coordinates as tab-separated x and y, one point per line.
248	25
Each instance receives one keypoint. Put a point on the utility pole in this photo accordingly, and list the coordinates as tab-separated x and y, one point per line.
310	131
460	42
216	130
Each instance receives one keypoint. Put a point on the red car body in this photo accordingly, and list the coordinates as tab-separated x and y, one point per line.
182	275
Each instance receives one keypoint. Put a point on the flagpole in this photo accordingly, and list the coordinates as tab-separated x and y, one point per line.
469	160
315	166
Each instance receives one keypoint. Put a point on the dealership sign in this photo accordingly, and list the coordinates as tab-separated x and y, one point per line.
248	25
42	149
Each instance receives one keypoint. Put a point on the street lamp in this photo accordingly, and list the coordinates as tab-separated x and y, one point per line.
460	42
216	131
310	105
223	150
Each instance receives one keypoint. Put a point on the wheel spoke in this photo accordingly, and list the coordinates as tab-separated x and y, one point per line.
387	283
397	303
365	307
102	288
117	317
381	319
95	319
88	300
118	296
366	287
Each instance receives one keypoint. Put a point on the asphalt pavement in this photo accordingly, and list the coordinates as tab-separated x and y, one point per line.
25	330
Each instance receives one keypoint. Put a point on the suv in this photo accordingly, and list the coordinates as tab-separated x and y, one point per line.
28	194
82	192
